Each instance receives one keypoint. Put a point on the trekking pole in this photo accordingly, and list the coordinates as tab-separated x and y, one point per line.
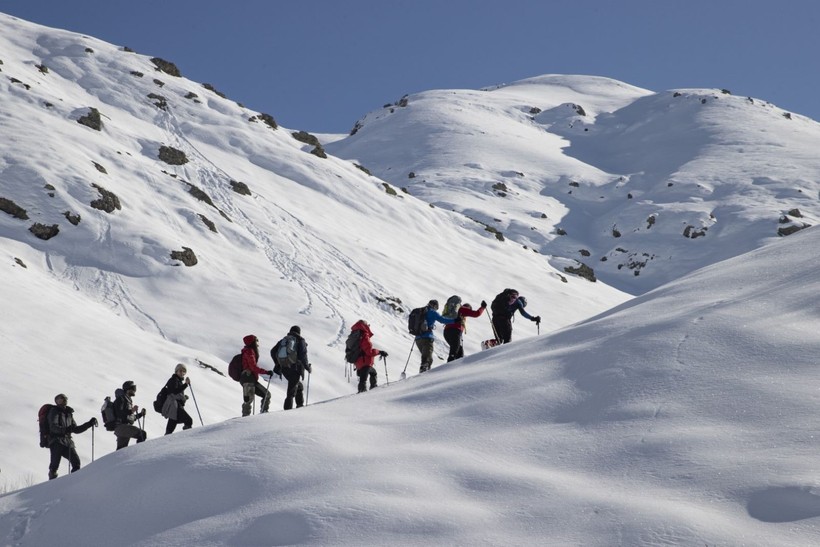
93	427
307	390
404	372
495	334
196	405
386	377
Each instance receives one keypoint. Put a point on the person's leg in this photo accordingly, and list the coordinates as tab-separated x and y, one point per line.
460	350
264	406
293	381
247	398
300	393
426	348
56	457
362	374
172	424
185	419
451	336
503	329
373	377
73	459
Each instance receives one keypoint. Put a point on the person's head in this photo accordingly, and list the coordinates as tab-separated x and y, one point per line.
295	329
61	399
523	301
130	388
433	304
180	370
251	340
513	294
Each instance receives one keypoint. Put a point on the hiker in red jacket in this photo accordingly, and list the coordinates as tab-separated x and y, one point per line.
364	364
250	376
454	333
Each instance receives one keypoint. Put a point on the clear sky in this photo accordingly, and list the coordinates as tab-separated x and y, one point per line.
320	65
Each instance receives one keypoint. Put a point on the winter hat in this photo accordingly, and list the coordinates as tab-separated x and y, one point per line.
179	367
60	396
129	385
523	301
249	339
295	329
433	304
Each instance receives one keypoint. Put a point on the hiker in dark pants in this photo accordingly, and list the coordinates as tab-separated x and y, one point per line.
250	376
61	425
174	407
504	307
364	364
295	372
126	413
425	340
454	334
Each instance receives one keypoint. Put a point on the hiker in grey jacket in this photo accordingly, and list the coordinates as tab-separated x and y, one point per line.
174	407
61	425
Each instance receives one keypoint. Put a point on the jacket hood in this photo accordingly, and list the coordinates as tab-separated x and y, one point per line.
362	325
249	339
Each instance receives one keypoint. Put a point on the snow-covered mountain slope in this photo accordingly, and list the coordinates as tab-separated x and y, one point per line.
642	187
683	417
281	236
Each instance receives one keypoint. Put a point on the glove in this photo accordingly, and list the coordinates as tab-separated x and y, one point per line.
187	381
537	319
483	303
271	373
94	422
309	368
142	413
382	353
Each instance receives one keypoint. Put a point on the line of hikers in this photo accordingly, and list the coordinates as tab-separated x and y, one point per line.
290	359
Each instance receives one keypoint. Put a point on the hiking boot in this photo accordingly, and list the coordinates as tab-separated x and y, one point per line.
362	389
52	475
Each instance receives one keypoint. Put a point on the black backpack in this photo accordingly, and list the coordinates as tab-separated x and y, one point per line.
109	417
417	322
501	303
353	346
159	402
42	418
235	367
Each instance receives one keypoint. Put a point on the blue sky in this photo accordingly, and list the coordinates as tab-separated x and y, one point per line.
321	65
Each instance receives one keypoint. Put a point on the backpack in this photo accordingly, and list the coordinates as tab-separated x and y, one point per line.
109	418
353	346
235	367
42	419
159	402
284	352
501	303
451	307
417	322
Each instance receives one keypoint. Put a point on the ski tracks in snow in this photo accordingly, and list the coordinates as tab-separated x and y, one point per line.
289	246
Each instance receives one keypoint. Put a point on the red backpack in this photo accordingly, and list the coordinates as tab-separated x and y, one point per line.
42	418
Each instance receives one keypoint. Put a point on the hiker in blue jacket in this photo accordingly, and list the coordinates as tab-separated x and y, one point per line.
425	340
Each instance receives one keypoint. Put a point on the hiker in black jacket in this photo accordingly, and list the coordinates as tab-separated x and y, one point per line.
126	413
294	372
174	406
61	425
